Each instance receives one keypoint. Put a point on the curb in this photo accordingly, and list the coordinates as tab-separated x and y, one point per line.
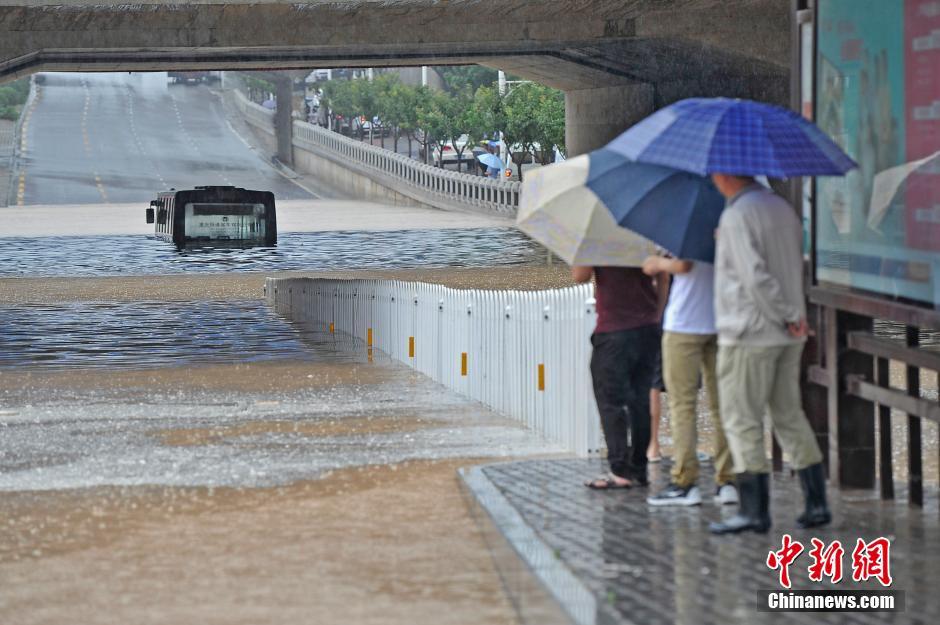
541	588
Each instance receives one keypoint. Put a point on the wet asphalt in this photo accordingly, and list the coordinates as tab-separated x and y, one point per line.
115	137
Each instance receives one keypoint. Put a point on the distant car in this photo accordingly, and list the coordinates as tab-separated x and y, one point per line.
318	75
447	151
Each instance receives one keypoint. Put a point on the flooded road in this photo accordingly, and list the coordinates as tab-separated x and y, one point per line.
141	255
233	479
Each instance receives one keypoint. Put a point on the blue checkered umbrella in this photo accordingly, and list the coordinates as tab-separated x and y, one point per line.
742	137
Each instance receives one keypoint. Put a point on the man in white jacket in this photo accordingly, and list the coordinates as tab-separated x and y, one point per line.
761	320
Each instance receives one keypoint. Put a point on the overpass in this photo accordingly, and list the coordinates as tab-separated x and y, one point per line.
616	60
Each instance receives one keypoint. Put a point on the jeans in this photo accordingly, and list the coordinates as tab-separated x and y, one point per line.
622	366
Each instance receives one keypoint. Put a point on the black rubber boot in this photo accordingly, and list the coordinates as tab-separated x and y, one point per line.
754	509
813	483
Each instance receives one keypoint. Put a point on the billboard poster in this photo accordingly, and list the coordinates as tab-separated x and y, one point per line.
878	96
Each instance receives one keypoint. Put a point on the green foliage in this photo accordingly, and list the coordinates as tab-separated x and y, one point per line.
458	78
534	118
531	116
12	96
258	85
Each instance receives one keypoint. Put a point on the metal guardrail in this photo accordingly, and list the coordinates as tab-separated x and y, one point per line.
397	171
525	354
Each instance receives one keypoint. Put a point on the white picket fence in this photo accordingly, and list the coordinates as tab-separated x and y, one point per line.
524	354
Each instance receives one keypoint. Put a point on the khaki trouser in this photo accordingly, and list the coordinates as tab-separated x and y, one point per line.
755	380
685	356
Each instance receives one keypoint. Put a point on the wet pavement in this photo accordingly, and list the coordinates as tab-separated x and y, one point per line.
142	255
115	137
611	558
223	478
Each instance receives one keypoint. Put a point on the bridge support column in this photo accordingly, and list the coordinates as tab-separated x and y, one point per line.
595	116
283	120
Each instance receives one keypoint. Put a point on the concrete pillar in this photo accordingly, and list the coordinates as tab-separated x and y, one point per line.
595	116
283	120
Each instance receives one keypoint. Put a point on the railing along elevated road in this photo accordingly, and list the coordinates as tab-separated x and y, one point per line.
424	183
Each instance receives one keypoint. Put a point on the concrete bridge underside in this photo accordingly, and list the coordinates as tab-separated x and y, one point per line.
616	60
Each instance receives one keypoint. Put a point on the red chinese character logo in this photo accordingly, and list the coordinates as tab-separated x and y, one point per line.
826	562
782	559
872	560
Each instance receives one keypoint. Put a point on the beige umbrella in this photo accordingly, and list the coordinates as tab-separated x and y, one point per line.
559	211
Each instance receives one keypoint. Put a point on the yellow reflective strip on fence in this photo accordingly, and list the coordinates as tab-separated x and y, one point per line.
463	363
369	337
541	377
411	347
332	328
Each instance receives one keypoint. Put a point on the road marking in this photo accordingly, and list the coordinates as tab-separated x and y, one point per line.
24	146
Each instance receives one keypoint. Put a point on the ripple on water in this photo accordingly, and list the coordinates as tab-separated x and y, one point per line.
137	255
150	334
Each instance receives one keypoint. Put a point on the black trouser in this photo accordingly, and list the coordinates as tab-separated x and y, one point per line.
622	369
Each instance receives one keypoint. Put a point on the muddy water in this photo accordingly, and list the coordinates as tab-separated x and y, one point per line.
206	461
389	544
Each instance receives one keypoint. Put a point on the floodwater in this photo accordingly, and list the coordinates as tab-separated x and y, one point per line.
144	255
233	479
111	335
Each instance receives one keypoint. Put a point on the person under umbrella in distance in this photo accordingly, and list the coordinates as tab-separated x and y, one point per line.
494	165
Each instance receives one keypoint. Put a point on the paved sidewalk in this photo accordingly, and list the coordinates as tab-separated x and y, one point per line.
609	558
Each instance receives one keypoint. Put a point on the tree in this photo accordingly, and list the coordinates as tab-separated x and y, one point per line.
384	87
432	120
458	120
402	110
535	118
550	124
459	78
521	129
339	98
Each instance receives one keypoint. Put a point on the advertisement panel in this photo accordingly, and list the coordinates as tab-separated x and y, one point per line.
878	96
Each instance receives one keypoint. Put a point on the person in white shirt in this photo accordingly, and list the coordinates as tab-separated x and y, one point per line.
689	352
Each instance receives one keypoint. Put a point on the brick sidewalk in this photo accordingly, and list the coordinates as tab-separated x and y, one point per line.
647	566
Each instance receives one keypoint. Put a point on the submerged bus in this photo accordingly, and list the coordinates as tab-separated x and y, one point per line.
214	215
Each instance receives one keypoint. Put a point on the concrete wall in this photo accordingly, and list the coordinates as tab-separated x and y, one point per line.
341	178
595	116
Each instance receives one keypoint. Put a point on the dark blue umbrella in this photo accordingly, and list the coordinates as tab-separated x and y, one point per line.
743	137
672	208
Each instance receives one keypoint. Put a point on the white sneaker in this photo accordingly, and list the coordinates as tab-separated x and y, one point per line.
675	495
726	494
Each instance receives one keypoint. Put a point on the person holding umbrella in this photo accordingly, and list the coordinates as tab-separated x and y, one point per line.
759	300
689	353
626	345
492	162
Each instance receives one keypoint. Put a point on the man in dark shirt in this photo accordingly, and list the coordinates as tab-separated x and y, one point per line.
626	342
